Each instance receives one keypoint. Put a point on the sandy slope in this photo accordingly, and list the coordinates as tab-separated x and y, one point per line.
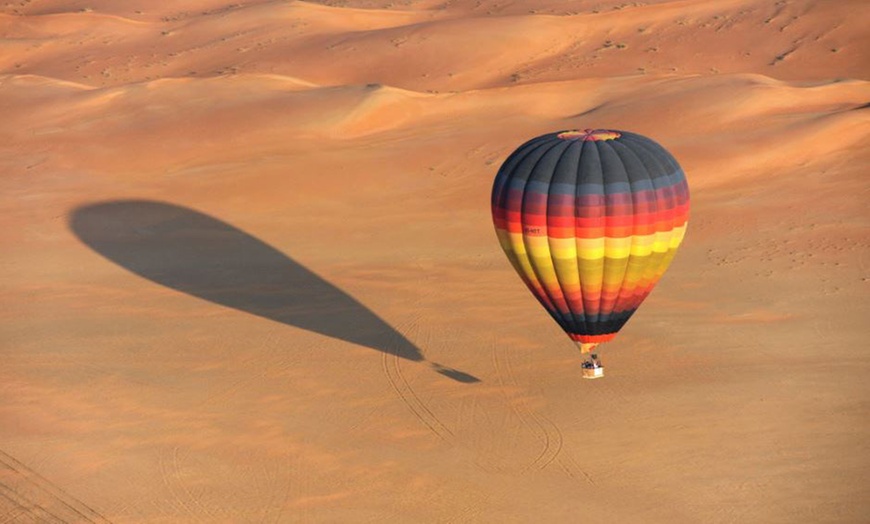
183	186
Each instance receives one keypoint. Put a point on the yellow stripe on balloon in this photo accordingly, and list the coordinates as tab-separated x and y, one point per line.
546	271
518	247
614	271
537	243
678	234
619	247
564	248
590	248
641	245
662	241
569	276
538	253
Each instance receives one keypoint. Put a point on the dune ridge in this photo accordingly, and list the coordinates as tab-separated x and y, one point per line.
250	101
461	47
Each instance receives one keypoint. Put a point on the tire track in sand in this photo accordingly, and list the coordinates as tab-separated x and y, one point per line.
21	508
392	365
166	476
185	500
31	494
546	431
551	440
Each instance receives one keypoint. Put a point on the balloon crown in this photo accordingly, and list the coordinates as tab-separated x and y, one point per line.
589	135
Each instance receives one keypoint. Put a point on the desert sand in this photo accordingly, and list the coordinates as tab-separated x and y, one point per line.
249	272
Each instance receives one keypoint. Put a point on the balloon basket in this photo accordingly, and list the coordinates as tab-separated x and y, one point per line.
593	372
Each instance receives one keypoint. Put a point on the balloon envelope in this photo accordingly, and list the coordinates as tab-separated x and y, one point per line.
590	220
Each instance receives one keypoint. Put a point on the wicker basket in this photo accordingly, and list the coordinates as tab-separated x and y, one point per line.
593	372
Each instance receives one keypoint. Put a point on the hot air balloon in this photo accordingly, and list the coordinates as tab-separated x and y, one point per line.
590	220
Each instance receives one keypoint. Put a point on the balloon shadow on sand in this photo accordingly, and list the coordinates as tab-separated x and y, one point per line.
202	256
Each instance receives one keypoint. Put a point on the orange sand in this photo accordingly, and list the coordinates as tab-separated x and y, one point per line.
359	140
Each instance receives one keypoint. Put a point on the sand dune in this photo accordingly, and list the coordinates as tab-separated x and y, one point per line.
250	273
